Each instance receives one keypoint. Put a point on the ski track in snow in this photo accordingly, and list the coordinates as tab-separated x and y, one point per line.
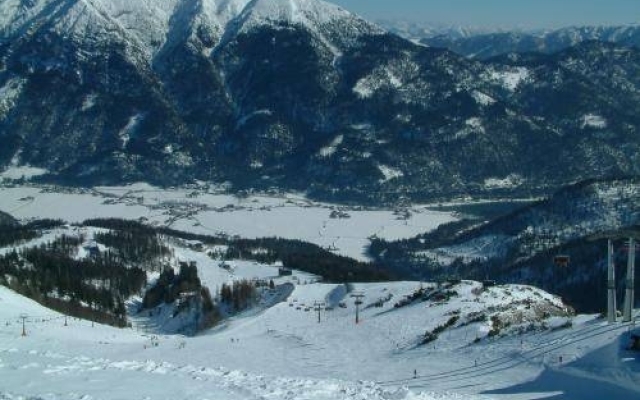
283	353
214	382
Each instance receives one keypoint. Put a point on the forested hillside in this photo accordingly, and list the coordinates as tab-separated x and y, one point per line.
522	246
91	270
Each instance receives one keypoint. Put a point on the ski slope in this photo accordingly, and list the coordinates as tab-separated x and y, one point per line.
284	353
279	350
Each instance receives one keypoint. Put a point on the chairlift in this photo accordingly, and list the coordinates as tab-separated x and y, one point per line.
562	260
627	248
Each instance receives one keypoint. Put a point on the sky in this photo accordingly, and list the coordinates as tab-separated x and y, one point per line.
500	13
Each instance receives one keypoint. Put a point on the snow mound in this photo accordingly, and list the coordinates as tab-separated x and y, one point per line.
482	98
510	79
9	94
330	150
389	173
24	171
593	121
382	77
511	181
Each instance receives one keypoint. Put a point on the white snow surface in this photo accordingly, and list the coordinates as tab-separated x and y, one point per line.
475	123
472	126
148	26
511	78
128	130
379	78
19	172
284	353
366	87
481	248
482	98
389	172
307	12
510	181
89	102
206	212
9	93
332	147
279	350
593	121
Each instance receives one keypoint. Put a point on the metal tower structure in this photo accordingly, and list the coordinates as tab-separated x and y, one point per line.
611	284
358	296
629	295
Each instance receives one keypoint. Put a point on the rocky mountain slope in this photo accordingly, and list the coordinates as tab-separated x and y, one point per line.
300	95
521	246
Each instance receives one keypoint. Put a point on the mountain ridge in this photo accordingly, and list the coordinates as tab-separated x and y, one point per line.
487	45
331	106
521	246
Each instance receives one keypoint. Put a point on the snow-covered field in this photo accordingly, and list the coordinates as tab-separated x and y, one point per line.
284	353
278	349
343	230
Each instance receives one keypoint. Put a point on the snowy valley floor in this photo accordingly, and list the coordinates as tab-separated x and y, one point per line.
344	230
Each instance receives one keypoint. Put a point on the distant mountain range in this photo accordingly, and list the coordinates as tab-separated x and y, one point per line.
301	95
485	43
417	31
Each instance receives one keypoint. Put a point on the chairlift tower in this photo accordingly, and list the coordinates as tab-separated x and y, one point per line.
317	306
629	295
24	329
358	302
611	284
629	298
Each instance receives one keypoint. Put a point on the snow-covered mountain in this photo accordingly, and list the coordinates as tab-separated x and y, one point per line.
417	30
153	25
486	45
521	246
299	95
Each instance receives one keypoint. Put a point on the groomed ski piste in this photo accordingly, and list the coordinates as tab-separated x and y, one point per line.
282	352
